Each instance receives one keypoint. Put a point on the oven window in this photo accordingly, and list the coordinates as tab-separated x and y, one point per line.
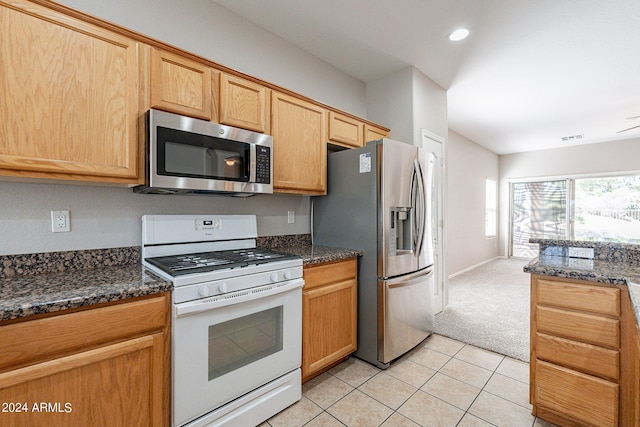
192	155
239	342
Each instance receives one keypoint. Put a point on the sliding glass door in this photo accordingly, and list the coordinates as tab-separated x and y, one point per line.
594	208
538	209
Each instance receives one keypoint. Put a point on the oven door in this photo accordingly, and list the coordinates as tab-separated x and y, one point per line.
226	346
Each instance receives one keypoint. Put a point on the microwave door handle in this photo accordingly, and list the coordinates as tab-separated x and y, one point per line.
253	159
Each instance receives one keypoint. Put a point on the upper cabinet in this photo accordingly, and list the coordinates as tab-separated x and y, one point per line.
69	103
244	104
345	131
74	90
351	132
299	131
181	85
373	133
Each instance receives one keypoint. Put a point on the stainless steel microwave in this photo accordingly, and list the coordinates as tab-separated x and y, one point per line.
192	156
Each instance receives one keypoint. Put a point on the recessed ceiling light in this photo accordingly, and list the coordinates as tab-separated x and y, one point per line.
459	34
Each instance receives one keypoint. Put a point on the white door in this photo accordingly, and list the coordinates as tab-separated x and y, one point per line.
435	144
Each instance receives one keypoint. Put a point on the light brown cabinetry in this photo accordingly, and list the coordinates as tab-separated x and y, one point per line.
350	132
299	131
244	104
580	352
329	315
345	130
106	366
69	103
372	133
181	85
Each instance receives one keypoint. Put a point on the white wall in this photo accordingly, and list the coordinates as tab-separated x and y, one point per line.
604	158
408	101
429	106
103	217
468	165
389	102
106	217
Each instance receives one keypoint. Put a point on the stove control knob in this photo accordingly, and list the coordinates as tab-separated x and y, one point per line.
223	287
274	277
204	290
287	274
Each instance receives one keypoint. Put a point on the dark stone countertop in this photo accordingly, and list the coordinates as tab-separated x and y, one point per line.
597	270
317	254
27	295
50	282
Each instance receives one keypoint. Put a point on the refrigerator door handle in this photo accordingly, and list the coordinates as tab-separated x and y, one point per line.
411	281
420	207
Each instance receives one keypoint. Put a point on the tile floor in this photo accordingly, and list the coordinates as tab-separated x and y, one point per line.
442	382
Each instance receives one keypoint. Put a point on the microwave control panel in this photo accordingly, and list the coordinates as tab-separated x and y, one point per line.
263	165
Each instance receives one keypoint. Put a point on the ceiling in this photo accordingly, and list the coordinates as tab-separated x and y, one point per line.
529	74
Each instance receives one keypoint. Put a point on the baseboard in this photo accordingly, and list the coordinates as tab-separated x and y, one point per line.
474	266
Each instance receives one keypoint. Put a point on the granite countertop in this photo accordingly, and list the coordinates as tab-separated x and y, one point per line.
49	282
27	295
317	254
614	264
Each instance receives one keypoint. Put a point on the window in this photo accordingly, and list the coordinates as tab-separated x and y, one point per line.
491	208
607	209
589	208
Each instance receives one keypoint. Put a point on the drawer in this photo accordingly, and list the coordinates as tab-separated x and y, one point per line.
583	327
45	338
583	357
589	400
324	274
596	299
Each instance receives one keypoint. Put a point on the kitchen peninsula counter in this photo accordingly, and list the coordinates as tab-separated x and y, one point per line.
613	263
585	345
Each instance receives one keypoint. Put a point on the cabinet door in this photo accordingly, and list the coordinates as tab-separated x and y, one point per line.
244	104
329	315
589	400
299	144
344	130
329	325
180	85
108	386
69	102
372	133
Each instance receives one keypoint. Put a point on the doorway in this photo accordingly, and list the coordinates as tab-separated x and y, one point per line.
435	144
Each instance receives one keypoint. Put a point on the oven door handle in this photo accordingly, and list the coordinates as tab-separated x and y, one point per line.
206	304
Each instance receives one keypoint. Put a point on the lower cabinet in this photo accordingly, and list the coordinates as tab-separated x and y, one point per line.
107	366
329	315
583	353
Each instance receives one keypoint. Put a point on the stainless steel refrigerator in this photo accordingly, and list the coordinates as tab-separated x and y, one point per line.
379	201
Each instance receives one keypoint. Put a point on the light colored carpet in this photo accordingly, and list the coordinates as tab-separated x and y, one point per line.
489	308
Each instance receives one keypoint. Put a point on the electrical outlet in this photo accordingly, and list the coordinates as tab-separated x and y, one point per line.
291	217
60	222
580	252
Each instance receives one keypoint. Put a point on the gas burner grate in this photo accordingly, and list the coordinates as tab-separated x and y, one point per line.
202	262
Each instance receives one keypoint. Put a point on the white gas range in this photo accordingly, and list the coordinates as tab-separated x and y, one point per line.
236	323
